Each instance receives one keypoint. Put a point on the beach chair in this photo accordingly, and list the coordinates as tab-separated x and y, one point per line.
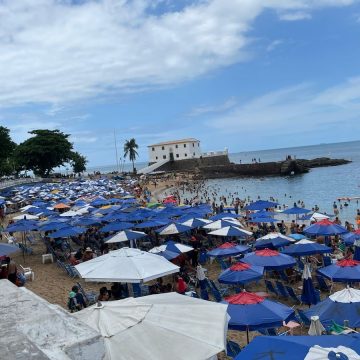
322	283
281	289
204	294
28	273
292	294
327	260
215	291
71	271
232	349
89	296
283	276
302	318
9	238
136	290
270	287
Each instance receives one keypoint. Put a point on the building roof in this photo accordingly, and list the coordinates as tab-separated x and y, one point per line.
172	142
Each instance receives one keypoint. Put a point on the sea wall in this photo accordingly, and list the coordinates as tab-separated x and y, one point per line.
195	164
221	167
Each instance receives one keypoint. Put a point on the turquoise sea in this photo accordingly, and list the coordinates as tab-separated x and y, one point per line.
321	186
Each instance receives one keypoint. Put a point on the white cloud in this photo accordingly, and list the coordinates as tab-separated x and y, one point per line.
293	111
273	45
295	16
210	109
55	52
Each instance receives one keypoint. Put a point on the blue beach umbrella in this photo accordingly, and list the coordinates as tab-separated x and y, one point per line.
86	221
223	215
195	222
117	226
305	248
260	205
176	247
356	255
7	249
340	306
218	224
269	259
115	216
22	226
52	225
67	232
346	270
296	211
228	249
262	213
173	228
262	219
326	228
272	241
325	347
308	295
241	273
351	237
297	236
249	312
151	224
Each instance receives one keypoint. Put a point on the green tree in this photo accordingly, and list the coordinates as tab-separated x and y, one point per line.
44	151
78	163
7	149
130	147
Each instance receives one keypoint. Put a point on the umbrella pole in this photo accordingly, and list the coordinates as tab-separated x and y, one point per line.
23	241
247	335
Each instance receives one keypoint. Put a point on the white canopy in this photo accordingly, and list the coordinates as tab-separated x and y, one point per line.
347	295
159	327
318	216
126	265
27	216
218	224
275	235
317	352
181	247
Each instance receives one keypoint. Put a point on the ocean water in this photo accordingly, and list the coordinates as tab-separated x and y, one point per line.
321	186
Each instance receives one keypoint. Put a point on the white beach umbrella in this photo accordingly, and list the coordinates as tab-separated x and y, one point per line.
126	235
176	247
230	231
70	213
126	265
27	216
218	224
162	327
318	216
317	352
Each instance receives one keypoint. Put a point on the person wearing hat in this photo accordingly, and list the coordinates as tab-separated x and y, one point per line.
88	254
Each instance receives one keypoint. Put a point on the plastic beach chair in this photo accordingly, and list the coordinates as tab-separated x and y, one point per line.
270	287
90	296
232	349
281	289
322	283
292	294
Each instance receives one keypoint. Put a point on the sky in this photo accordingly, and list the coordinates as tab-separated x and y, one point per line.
237	74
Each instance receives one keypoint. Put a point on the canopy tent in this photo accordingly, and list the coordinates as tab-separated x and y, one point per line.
346	270
340	306
126	265
249	312
231	231
305	248
326	228
167	326
302	347
269	259
125	235
228	249
273	241
241	273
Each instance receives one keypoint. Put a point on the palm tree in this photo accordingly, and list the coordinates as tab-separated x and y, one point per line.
130	147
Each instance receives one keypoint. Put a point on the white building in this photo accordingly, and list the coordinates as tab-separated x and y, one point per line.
174	150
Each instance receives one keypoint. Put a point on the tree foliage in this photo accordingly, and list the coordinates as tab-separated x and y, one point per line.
7	147
78	163
44	151
130	147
